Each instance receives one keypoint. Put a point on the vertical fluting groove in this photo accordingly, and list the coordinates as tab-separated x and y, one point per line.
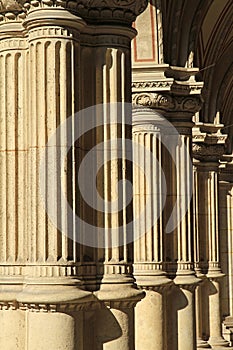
155	244
179	189
124	157
99	79
195	216
107	164
216	182
63	116
38	135
160	186
209	219
114	170
60	141
33	144
136	208
142	140
3	234
148	179
230	247
40	213
189	194
11	164
72	60
20	157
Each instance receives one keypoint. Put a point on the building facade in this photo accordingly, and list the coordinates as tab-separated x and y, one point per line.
95	95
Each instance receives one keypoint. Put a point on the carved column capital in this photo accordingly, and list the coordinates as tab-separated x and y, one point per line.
12	13
168	102
226	169
96	11
14	6
178	99
100	11
208	142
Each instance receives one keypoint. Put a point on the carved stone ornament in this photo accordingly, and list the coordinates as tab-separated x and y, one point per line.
205	152
11	5
110	10
190	104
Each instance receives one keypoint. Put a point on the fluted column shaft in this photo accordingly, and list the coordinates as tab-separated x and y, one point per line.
111	50
207	149
13	146
13	184
53	76
200	262
148	185
225	232
185	275
106	51
51	268
178	108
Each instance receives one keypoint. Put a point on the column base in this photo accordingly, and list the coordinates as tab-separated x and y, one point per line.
119	288
218	343
53	291
202	344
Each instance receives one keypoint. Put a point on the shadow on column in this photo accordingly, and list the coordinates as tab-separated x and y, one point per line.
176	302
107	328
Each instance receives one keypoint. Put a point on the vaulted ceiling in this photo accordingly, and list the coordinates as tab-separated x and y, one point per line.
203	29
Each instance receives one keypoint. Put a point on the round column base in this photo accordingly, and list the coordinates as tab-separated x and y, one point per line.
218	343
202	344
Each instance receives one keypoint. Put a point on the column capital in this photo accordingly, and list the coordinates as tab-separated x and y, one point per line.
102	12
226	169
14	6
176	94
96	11
208	142
168	102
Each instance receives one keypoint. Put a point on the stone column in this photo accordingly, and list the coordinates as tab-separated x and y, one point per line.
200	263
51	296
226	242
13	154
208	147
178	107
149	239
107	43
